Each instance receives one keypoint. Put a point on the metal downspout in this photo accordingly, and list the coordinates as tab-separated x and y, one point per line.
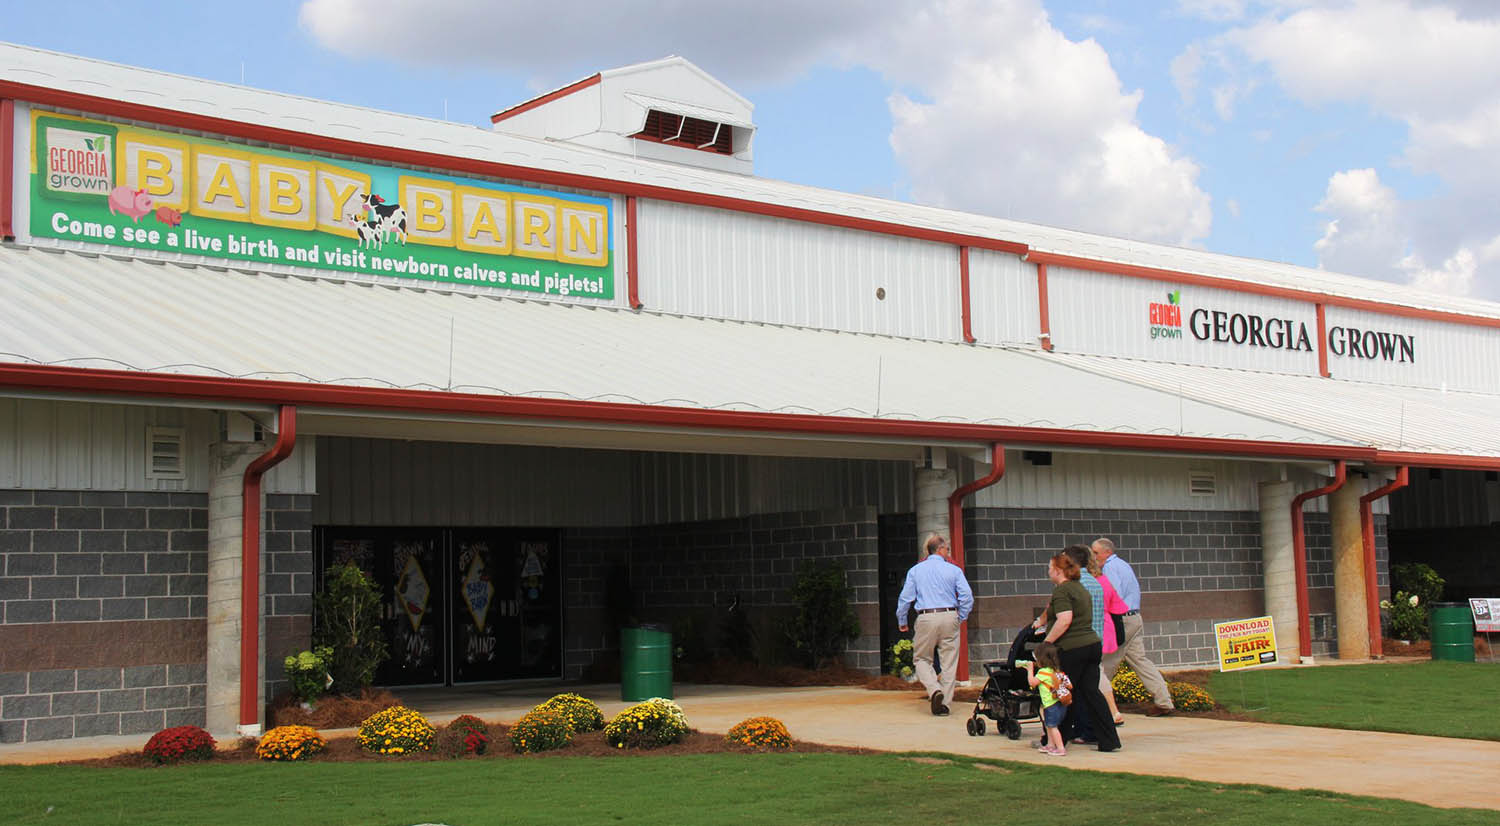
1367	531
286	438
1299	556
956	537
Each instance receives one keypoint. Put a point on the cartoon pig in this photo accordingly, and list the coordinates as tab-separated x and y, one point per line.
132	202
168	216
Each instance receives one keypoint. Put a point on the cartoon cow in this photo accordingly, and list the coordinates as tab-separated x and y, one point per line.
390	217
369	231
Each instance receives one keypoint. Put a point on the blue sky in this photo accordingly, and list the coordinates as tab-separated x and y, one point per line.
1356	135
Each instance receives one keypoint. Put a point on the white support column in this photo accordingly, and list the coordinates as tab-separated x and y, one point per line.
1277	566
225	527
934	484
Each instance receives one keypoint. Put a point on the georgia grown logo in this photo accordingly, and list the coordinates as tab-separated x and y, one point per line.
1166	319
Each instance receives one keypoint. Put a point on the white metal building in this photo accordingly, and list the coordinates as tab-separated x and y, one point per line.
515	372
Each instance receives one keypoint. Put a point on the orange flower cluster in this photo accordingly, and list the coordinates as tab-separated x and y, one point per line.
761	733
289	743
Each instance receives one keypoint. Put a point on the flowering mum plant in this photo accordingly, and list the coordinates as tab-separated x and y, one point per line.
308	672
465	735
542	729
290	743
901	659
396	730
582	713
171	745
1188	697
1185	696
761	733
656	722
1128	686
1408	615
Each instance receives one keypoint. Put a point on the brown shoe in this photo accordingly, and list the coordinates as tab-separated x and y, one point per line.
1158	711
938	709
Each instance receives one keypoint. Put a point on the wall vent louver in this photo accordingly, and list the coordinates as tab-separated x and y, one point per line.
164	453
1201	483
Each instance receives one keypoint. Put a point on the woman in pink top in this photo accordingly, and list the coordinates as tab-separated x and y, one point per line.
1114	606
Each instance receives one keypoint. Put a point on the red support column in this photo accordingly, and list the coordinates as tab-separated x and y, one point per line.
1299	556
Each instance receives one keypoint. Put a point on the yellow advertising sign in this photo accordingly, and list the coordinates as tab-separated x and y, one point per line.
1245	643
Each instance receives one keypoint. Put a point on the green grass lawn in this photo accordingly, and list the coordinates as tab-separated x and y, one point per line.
719	788
1447	699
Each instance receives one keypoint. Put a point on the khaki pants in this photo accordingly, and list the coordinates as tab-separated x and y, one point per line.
1133	650
938	631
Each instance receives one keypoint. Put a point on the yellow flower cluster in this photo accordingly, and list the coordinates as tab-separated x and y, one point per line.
1188	697
583	714
289	743
761	733
656	722
396	730
1185	696
542	729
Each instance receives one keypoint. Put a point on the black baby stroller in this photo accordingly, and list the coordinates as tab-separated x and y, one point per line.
1006	698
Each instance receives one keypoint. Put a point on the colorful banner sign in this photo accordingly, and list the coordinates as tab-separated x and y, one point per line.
1486	614
1245	643
124	186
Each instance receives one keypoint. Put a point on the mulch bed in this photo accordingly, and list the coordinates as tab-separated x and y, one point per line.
592	744
335	711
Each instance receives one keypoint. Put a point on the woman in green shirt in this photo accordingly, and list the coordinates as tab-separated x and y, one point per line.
1071	630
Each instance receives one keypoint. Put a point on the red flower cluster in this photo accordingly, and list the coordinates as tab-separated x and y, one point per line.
179	743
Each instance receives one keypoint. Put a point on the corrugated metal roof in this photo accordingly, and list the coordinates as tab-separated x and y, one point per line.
1386	417
221	100
71	309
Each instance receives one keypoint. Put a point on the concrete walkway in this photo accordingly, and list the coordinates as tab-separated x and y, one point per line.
1437	771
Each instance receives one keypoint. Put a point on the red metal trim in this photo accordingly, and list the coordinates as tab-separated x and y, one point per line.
1299	556
1367	533
1322	340
451	163
121	382
1217	282
286	439
632	272
956	537
1043	311
7	168
547	98
1437	460
963	290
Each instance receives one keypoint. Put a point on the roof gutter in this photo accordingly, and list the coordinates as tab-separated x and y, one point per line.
286	438
956	536
1367	532
1299	555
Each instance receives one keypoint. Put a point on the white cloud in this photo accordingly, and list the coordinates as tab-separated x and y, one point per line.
995	110
1428	64
1040	129
1218	11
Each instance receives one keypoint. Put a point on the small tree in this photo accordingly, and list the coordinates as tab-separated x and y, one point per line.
349	624
825	621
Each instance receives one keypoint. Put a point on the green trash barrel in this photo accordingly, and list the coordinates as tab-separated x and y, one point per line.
645	663
1452	632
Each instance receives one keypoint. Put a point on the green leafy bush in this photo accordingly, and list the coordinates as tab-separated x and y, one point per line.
656	722
1415	588
348	622
541	729
825	621
583	714
308	672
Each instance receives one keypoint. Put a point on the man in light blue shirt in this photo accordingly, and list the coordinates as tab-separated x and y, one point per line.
1132	649
941	595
